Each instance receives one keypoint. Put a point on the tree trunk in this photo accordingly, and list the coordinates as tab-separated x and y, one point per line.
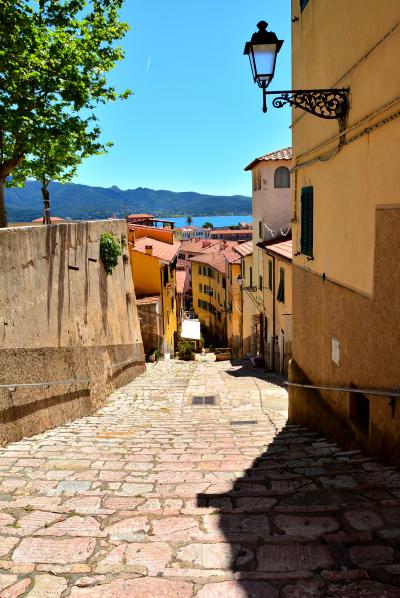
3	211
46	203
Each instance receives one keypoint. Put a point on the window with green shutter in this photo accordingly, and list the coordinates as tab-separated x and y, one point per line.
270	275
307	211
281	289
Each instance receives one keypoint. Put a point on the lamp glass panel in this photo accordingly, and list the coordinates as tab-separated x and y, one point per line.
264	56
253	68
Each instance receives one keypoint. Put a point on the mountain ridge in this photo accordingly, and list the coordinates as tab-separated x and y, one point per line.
86	202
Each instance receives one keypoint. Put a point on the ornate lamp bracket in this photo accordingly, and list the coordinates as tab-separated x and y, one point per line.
325	103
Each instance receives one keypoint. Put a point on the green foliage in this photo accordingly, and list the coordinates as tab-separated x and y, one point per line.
54	61
185	349
110	250
208	225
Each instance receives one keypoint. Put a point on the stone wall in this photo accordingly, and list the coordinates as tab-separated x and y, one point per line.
63	319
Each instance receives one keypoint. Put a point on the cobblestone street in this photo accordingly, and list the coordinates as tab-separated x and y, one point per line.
155	497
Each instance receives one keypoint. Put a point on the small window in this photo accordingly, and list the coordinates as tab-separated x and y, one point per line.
270	275
223	282
260	229
166	278
303	4
200	288
251	276
307	216
243	269
200	269
282	178
260	283
259	180
281	289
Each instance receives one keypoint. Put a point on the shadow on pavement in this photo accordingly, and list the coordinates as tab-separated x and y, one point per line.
307	521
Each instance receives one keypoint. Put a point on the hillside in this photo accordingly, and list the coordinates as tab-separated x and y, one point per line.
86	202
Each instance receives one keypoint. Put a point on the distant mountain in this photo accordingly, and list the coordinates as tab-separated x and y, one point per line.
84	202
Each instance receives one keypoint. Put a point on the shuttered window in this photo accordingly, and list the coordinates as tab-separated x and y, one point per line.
307	221
281	289
251	276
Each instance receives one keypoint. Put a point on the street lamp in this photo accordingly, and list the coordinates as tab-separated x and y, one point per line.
262	51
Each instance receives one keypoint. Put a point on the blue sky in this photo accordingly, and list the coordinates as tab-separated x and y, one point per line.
195	118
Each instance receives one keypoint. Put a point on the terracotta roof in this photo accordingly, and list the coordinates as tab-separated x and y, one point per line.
180	280
162	251
198	245
232	257
140	216
228	231
278	247
244	249
215	260
282	154
147	300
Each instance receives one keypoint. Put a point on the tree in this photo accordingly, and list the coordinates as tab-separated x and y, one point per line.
54	60
189	220
208	225
59	153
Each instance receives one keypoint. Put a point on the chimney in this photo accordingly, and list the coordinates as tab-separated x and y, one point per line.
149	249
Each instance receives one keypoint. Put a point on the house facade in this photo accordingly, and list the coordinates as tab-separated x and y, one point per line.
271	205
346	226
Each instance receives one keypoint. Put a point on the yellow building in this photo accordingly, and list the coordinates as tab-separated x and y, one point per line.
346	225
277	301
209	295
153	254
233	302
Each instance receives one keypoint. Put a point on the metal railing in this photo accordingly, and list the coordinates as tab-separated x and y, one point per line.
44	385
364	391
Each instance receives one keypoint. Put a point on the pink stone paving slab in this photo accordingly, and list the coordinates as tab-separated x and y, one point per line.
48	586
16	589
7	543
151	587
45	550
238	589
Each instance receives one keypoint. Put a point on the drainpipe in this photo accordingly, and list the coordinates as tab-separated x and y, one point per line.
273	316
162	305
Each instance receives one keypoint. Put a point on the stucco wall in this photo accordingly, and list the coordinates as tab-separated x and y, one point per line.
369	334
62	318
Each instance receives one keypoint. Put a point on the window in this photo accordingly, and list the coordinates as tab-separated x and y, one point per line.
172	304
282	178
251	276
307	210
281	289
223	282
270	275
259	180
200	269
260	229
243	269
200	288
303	4
260	283
165	275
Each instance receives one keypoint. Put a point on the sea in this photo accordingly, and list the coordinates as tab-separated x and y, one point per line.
216	221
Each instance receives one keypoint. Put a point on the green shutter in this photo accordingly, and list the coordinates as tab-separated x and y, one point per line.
281	289
307	221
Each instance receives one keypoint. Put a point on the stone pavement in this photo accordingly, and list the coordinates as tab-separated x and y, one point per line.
153	496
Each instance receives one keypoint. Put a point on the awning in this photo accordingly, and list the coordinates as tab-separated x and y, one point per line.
191	329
